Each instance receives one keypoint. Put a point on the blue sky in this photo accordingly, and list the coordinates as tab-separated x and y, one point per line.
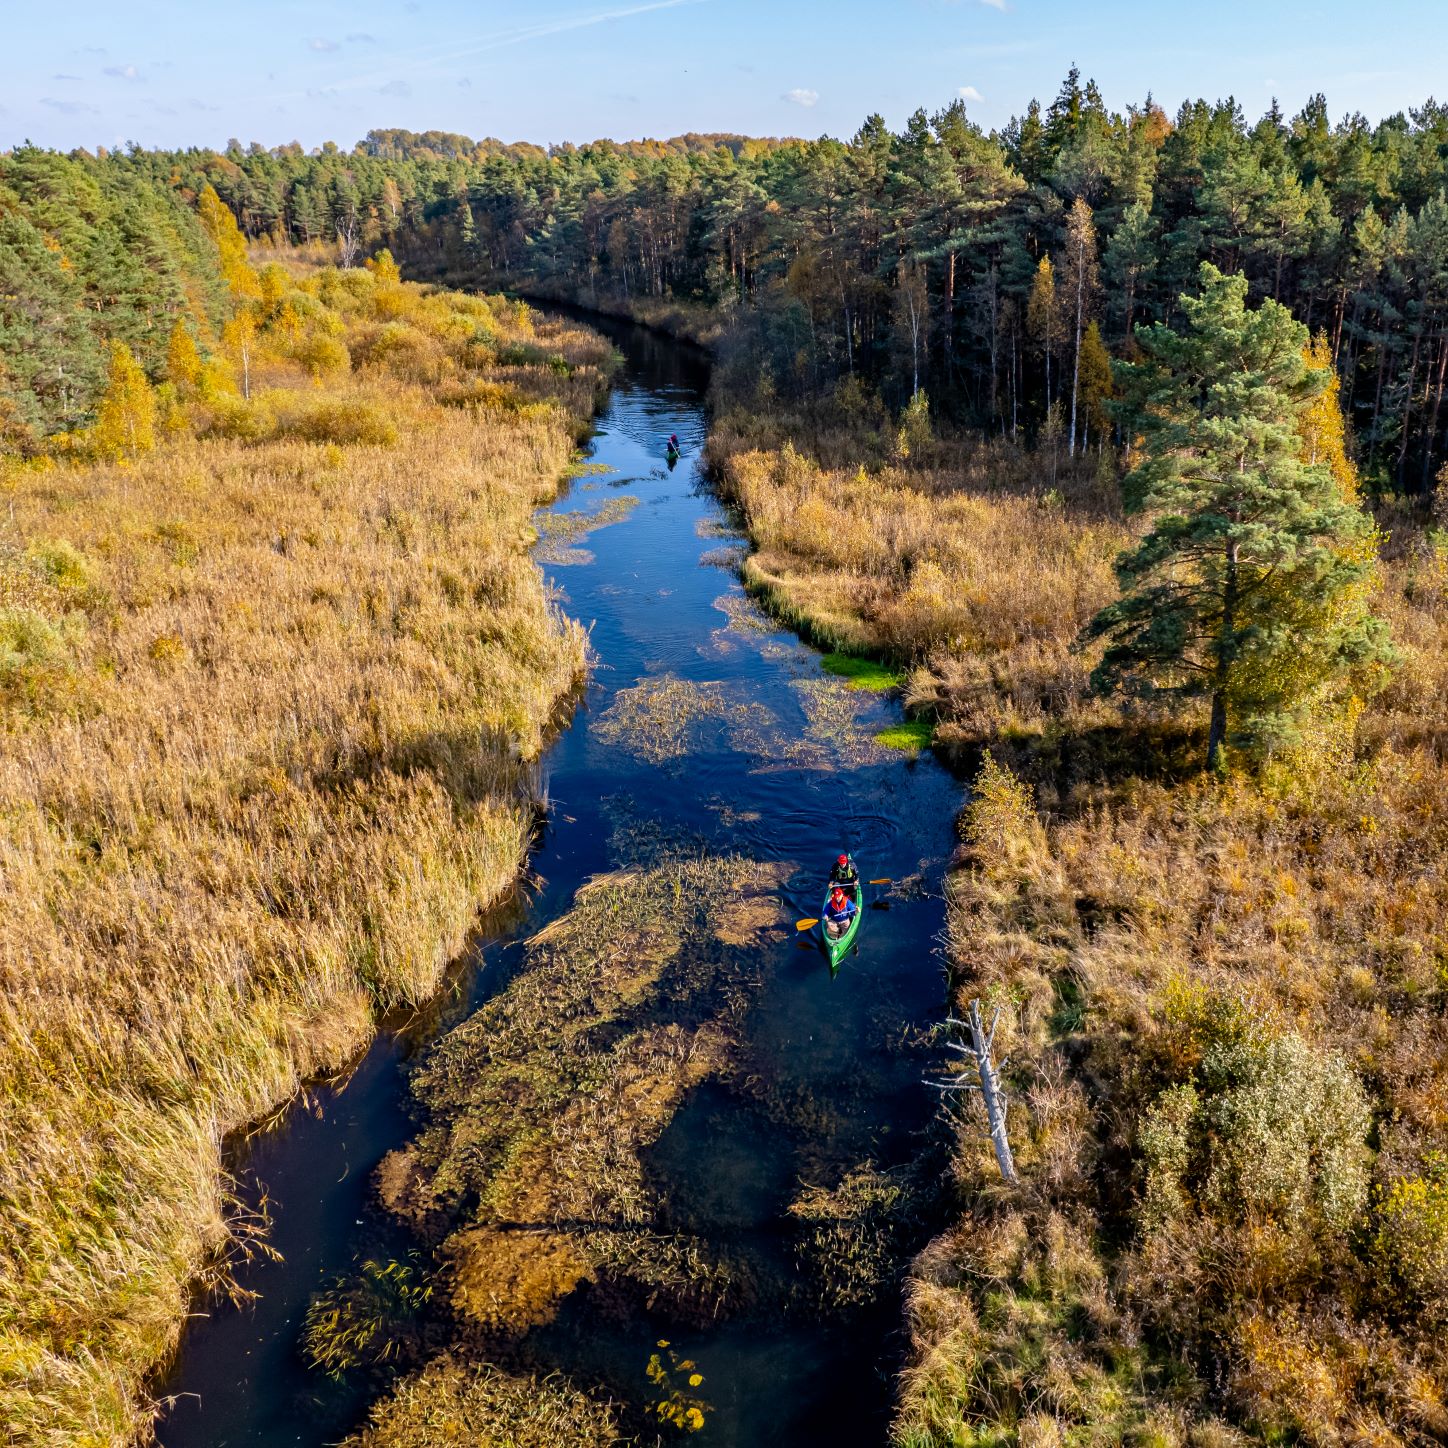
187	72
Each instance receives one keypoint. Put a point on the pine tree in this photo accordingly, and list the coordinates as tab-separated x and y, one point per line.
126	419
1235	594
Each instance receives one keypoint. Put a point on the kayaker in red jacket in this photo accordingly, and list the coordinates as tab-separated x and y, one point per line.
839	911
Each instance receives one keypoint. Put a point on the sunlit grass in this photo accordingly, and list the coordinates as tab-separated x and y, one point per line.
909	735
272	698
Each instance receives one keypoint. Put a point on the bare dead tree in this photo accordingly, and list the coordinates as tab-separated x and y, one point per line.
348	241
983	1075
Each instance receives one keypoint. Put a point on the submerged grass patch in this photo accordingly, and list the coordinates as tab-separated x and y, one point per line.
562	531
538	1109
452	1404
909	735
863	673
656	719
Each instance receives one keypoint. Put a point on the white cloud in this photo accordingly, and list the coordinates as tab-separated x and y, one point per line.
361	38
801	97
69	108
996	4
320	42
969	93
399	88
123	72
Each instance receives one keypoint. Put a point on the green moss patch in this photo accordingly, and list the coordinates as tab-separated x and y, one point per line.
911	735
867	674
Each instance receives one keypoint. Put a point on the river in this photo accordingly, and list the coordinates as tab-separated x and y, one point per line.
803	780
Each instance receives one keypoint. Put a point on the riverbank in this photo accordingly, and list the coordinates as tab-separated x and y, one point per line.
273	695
1222	1004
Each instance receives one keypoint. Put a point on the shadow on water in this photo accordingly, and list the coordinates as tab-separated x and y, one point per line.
781	768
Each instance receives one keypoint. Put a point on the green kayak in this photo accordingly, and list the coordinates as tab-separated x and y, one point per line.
837	946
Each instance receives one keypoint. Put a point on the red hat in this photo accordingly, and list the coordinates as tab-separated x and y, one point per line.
843	860
835	890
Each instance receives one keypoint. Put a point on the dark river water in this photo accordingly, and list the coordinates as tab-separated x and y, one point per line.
800	781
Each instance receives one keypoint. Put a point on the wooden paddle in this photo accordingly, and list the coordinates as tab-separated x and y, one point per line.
882	882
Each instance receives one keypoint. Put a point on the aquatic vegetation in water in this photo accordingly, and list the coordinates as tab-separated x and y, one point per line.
538	1108
854	1239
743	616
832	710
728	556
657	718
368	1319
450	1404
561	531
712	527
677	1381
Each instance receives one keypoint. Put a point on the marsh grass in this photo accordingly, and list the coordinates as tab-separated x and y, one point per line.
272	696
451	1404
909	736
869	675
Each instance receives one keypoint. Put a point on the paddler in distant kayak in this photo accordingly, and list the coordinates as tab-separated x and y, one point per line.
840	909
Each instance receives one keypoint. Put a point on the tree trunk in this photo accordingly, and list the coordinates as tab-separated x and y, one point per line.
949	309
1217	735
1408	405
1015	370
1076	366
1433	415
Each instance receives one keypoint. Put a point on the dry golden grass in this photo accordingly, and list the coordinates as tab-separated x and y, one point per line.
270	702
1140	934
960	560
453	1406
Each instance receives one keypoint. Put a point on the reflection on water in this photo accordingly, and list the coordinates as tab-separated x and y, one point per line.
706	730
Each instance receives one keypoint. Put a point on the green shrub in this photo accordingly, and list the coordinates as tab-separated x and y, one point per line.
36	658
1274	1128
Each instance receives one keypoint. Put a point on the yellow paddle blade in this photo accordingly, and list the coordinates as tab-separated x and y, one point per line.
806	924
879	882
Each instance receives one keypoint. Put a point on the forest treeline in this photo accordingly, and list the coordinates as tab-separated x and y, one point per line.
995	271
969	264
93	251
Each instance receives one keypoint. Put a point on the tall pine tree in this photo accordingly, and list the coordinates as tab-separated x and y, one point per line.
1248	588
